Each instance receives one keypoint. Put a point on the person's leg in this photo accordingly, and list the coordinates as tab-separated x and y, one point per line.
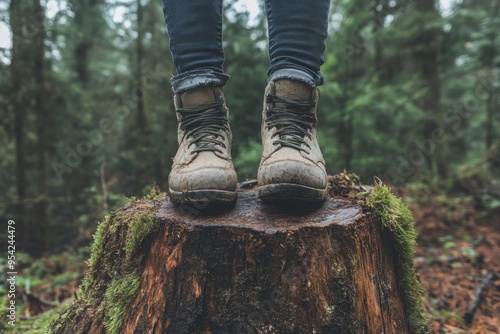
202	169
292	166
297	33
195	32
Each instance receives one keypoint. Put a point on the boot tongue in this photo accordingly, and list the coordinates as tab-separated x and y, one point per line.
293	90
198	96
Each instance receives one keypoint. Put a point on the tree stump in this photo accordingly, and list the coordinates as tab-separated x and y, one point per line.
254	268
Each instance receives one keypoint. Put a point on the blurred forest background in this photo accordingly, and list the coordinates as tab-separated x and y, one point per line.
411	96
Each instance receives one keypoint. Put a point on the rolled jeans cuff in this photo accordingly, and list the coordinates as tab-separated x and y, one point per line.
297	74
196	78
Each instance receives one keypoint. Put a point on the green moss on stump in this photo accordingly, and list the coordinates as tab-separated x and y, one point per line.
95	254
141	227
116	300
110	283
397	220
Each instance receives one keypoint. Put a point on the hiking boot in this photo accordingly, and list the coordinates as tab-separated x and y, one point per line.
202	170
292	167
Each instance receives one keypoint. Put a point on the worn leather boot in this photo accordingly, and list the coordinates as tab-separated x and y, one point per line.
202	171
292	167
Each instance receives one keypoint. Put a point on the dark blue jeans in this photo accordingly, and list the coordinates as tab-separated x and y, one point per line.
297	33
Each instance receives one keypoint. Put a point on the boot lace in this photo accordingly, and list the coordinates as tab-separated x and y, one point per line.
204	125
292	123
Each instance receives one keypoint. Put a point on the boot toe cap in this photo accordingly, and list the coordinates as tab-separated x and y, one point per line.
292	171
203	178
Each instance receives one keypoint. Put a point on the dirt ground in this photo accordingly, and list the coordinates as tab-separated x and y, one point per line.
458	248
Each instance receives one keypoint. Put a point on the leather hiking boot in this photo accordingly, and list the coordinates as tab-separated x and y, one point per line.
292	167
202	170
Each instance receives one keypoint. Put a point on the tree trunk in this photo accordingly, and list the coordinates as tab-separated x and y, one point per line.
493	82
141	133
15	14
41	127
379	16
141	118
256	268
426	54
344	135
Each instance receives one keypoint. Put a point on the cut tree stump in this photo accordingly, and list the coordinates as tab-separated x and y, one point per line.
255	268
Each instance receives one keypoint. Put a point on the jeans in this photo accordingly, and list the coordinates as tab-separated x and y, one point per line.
297	33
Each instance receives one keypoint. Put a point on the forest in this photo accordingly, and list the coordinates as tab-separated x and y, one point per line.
411	97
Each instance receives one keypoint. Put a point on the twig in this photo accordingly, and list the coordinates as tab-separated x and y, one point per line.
444	260
469	314
102	172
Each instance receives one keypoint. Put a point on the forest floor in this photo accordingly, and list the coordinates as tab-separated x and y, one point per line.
458	252
458	247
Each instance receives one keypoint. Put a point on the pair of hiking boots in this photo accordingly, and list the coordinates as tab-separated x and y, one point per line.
292	167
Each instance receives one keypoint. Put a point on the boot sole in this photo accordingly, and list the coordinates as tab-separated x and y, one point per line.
208	196
289	192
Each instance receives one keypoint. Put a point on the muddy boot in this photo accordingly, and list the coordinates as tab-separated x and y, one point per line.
202	171
292	167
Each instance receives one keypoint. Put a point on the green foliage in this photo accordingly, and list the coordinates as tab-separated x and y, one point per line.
397	220
4	302
118	296
41	323
248	159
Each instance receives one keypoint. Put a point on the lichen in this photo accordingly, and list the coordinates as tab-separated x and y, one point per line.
117	299
396	218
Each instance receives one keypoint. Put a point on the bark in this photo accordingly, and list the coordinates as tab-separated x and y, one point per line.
256	268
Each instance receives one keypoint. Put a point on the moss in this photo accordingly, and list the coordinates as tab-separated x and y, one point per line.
95	253
117	299
110	284
397	219
142	225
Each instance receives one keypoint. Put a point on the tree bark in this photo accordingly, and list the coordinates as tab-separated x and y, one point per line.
255	268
